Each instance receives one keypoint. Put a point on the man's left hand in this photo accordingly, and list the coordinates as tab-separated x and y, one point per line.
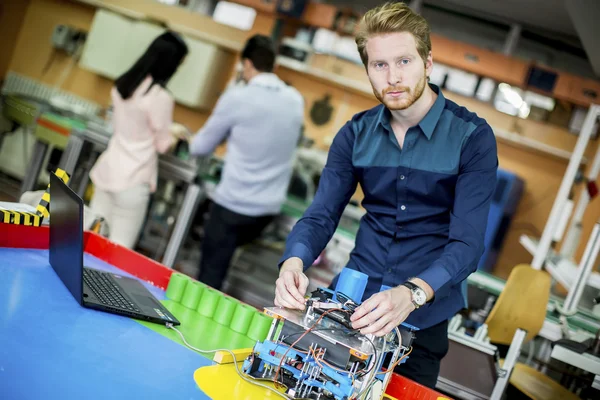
383	311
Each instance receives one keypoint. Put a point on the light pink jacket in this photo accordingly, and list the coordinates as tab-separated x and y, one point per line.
141	131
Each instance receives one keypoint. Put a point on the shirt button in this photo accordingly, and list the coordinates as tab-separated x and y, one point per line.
401	177
390	270
403	207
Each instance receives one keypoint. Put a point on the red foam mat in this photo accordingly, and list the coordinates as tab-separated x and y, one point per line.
404	388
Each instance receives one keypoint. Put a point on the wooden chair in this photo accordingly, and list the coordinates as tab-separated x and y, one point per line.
522	306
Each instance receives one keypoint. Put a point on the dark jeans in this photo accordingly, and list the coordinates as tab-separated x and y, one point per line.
423	363
225	231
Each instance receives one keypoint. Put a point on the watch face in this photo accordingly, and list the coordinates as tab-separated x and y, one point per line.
419	297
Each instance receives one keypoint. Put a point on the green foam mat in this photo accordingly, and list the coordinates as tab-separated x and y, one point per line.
199	331
198	308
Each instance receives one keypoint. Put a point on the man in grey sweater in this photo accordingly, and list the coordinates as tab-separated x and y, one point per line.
261	122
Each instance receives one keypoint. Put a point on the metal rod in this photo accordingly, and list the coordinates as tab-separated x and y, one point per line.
35	166
585	269
569	245
512	39
273	330
565	187
509	363
70	156
182	226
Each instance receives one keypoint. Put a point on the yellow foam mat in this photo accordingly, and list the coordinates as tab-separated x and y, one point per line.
221	382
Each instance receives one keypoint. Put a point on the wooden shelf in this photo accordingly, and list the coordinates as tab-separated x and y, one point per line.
364	88
266	6
479	61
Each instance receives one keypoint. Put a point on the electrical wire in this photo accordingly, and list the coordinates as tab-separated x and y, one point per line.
253	380
319	357
369	383
245	377
400	359
280	342
374	354
297	340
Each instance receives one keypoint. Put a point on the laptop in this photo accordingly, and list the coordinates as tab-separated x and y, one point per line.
99	290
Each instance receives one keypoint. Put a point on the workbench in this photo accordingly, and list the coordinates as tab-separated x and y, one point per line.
584	323
53	348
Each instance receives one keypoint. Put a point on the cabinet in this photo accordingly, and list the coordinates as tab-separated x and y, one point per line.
443	50
115	43
199	79
563	86
577	90
105	45
585	91
267	6
479	61
319	15
315	14
141	35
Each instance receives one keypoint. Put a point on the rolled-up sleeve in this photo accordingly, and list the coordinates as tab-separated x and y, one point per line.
475	187
217	127
338	183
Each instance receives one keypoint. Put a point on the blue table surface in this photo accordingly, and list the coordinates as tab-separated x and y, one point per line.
52	348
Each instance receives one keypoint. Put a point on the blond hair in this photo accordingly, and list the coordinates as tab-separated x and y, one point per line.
393	18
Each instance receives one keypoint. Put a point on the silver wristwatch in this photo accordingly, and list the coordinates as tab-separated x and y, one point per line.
419	297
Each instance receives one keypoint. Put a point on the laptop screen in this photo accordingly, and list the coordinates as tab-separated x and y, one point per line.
66	236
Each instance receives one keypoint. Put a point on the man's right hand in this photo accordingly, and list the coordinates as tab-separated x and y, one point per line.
291	285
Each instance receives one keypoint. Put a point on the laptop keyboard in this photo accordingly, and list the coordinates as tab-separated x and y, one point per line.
107	292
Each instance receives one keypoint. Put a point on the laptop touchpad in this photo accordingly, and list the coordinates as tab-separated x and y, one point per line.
145	301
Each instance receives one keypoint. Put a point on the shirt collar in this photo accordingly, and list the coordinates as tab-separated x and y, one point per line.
266	79
429	121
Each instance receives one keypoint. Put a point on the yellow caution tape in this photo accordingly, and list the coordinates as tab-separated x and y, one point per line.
42	209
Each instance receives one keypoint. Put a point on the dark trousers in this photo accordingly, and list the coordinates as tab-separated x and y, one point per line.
423	363
225	231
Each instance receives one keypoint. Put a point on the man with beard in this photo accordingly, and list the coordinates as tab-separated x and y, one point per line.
427	168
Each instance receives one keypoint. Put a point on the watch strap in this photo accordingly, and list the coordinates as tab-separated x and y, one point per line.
412	287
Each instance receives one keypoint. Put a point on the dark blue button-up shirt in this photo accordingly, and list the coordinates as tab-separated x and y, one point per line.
426	203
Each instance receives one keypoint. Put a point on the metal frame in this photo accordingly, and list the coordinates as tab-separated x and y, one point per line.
587	362
509	364
169	168
545	243
562	197
588	261
182	226
572	238
34	168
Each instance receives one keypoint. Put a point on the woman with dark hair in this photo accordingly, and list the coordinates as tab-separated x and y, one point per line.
126	173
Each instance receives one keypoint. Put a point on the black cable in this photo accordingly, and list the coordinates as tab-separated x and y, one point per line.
375	354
